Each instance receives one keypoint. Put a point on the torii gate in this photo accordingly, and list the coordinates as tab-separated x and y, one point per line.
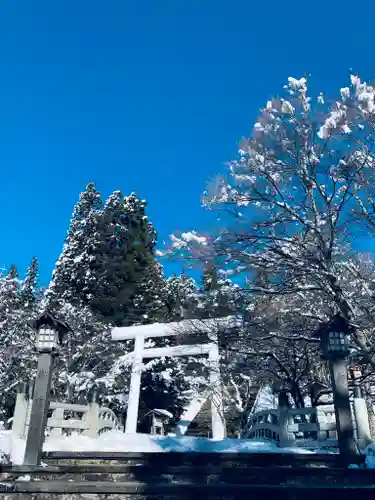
140	333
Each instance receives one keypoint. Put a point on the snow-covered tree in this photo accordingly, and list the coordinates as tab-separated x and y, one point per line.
86	356
149	301
106	275
72	270
125	281
299	193
29	287
16	341
219	296
10	290
180	297
163	387
108	263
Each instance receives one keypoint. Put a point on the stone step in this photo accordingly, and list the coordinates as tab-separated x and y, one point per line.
276	476
187	490
280	459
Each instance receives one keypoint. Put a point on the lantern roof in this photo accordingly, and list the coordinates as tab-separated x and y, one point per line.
50	320
337	323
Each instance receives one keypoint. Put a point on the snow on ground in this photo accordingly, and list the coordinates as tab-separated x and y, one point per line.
118	441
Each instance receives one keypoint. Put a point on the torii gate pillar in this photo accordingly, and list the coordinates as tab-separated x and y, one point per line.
135	387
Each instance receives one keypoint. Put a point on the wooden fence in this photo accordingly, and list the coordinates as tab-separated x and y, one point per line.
305	427
90	420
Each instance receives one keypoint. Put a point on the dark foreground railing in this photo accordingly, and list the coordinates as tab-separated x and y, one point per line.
188	475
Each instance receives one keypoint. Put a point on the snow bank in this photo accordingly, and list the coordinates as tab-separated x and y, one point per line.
118	441
11	448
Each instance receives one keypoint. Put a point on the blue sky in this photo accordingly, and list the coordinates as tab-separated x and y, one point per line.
147	96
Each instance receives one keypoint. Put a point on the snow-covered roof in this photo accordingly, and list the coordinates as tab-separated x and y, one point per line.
166	413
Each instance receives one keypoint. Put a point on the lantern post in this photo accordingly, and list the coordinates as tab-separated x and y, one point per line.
334	348
49	335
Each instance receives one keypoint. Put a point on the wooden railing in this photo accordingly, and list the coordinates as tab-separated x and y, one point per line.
90	420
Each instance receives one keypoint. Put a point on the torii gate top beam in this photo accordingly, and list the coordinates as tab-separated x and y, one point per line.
209	326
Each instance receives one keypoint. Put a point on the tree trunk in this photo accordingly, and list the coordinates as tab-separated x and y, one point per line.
371	416
297	395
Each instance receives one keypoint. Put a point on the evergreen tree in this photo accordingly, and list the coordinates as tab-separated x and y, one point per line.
10	290
29	288
86	356
149	302
181	297
16	342
13	272
108	263
160	390
69	280
210	278
119	285
219	297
